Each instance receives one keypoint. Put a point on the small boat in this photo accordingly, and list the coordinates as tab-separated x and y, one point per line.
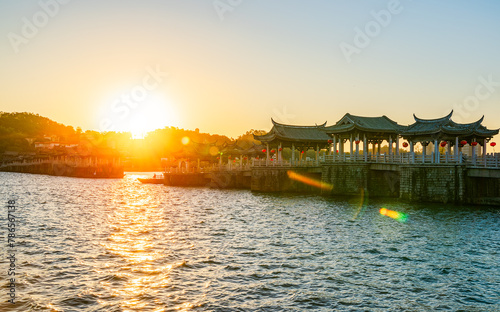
154	180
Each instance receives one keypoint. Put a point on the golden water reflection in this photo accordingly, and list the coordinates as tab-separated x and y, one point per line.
139	268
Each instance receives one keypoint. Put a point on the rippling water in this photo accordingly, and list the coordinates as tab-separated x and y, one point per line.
119	245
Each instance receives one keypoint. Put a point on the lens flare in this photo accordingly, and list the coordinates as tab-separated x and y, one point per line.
185	140
362	204
309	181
214	150
399	216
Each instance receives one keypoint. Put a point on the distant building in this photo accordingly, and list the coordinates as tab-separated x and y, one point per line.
46	145
52	145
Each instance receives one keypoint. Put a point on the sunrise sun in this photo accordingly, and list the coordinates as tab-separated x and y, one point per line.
156	113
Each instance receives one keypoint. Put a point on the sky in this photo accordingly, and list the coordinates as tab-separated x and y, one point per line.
228	66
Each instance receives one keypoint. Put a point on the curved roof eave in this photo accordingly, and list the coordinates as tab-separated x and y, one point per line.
275	123
447	117
265	137
302	141
472	124
485	133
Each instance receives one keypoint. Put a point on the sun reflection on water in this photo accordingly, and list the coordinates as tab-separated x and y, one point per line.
140	268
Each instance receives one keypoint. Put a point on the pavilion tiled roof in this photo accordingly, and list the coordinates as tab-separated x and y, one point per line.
293	133
377	127
446	125
369	124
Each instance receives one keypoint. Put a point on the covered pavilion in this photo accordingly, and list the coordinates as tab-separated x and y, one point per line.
364	130
445	132
356	130
294	137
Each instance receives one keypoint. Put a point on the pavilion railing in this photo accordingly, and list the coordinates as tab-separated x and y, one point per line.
68	161
287	163
208	169
488	161
403	158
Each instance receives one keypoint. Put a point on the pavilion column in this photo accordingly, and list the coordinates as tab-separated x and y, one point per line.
341	148
374	145
436	151
350	148
484	151
365	147
412	152
280	152
267	154
293	154
390	145
424	151
379	147
357	145
473	154
449	147
317	154
334	147
397	145
456	148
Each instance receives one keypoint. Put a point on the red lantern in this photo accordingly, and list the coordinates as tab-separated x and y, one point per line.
405	144
357	141
245	158
273	151
443	144
473	143
272	159
218	157
234	160
280	149
229	157
492	144
257	157
330	141
302	152
463	142
264	150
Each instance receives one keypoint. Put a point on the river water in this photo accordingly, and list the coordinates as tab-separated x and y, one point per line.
119	245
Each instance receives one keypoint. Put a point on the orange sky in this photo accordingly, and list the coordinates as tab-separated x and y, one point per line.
230	71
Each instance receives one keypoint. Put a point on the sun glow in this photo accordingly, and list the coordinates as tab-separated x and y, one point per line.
155	114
